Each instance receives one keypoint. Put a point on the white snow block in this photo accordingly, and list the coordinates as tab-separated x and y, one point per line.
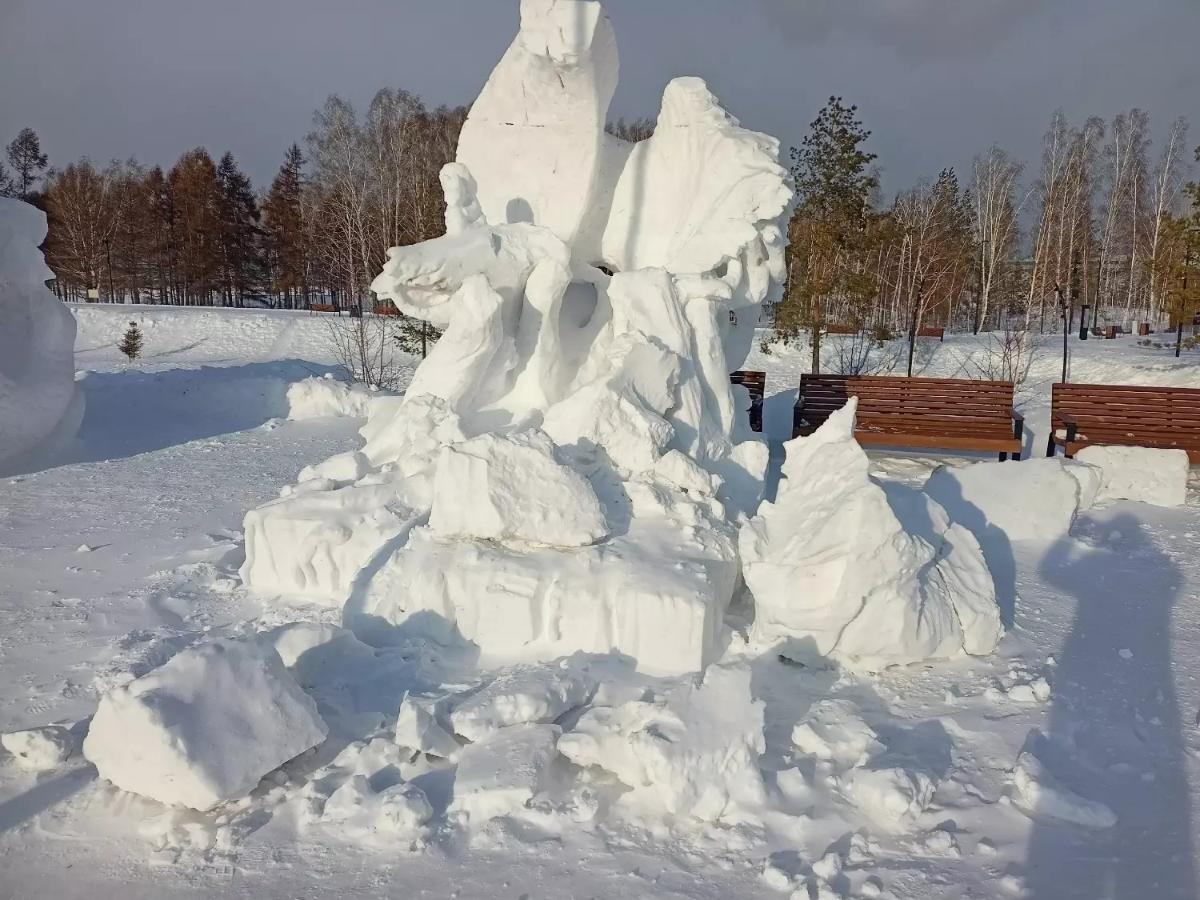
1031	500
843	567
893	797
39	402
511	488
833	731
521	696
1038	794
314	544
1142	474
656	593
500	775
205	727
39	749
418	729
398	812
317	398
693	752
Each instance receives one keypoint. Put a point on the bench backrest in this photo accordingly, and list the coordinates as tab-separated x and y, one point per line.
1110	413
921	405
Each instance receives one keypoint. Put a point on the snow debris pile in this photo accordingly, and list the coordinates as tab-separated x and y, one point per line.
315	398
205	727
1037	793
872	575
569	465
1158	477
40	405
40	749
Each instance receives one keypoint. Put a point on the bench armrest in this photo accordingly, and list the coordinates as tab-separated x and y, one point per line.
1072	428
1018	425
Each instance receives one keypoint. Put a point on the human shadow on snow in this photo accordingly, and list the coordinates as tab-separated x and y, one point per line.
1114	732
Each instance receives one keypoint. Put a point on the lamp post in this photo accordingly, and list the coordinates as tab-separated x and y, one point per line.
1065	308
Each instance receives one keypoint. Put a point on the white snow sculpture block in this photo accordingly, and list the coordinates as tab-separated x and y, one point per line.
315	544
510	488
205	727
418	729
656	593
40	405
693	752
500	775
1031	500
840	567
317	398
521	696
1143	474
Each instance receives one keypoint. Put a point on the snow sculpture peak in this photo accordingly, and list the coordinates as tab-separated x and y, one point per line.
568	467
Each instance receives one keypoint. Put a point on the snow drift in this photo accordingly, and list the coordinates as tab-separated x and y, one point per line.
39	403
569	465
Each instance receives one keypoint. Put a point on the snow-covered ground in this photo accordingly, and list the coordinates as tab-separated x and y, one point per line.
995	777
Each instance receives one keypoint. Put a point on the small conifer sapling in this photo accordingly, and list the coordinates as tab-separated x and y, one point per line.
131	343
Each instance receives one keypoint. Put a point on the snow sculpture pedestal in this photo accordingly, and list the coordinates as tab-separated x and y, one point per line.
567	471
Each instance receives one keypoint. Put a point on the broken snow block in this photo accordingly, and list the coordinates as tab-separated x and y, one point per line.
39	749
502	774
520	696
1142	474
205	727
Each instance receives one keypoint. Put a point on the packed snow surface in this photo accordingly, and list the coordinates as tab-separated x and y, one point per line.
203	728
39	403
1144	474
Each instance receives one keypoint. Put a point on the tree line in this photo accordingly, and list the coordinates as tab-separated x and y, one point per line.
1103	225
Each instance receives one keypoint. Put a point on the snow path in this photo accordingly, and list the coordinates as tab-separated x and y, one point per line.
174	451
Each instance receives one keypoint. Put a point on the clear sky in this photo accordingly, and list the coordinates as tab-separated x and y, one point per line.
937	81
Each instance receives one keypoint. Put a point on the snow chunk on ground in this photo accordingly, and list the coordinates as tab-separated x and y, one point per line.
39	402
1143	474
520	696
502	774
1038	794
511	488
398	812
40	749
892	797
418	729
315	398
1031	500
872	575
692	752
833	731
205	727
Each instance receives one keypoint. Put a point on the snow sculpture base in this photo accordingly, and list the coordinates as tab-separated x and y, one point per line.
40	406
569	466
872	576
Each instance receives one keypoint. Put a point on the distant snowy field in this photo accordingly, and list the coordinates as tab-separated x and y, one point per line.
125	550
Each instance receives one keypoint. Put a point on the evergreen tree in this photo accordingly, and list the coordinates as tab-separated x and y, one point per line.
286	230
7	187
131	343
28	161
195	201
415	336
831	232
238	232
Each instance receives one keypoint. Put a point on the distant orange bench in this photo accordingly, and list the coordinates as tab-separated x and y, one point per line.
385	309
323	307
1086	415
935	413
939	333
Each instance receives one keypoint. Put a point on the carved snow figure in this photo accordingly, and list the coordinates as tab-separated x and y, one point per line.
40	405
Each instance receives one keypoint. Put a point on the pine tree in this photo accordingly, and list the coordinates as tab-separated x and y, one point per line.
7	187
831	232
28	161
285	229
415	336
238	218
131	343
195	200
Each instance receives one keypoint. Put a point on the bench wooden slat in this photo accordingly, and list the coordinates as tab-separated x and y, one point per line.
1136	415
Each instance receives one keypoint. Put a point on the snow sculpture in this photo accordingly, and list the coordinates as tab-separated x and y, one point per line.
868	574
566	471
39	402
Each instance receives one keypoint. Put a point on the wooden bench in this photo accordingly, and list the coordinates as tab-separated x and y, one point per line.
935	413
756	384
1164	418
939	333
385	309
323	308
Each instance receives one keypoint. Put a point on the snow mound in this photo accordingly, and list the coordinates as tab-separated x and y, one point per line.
692	752
843	567
833	731
1031	500
1038	794
40	405
39	749
521	696
499	776
316	398
1142	474
205	727
398	812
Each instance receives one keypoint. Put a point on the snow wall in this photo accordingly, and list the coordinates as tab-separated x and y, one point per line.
39	403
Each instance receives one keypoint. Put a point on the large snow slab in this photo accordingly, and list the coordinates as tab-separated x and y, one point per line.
315	398
500	775
841	567
39	403
1158	477
521	696
205	727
